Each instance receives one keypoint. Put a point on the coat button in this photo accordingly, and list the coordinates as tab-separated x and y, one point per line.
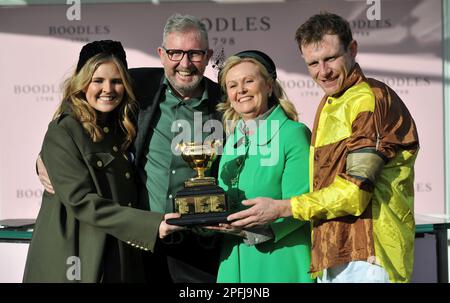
115	148
330	101
127	175
173	172
129	204
106	129
170	196
99	163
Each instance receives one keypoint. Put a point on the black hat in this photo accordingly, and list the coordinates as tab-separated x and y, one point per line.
262	58
109	47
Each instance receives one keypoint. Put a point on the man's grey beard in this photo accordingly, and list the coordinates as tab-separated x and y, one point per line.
187	89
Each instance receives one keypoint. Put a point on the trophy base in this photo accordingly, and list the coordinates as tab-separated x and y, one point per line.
200	205
201	219
205	181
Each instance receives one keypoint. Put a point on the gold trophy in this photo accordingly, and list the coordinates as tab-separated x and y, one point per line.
201	202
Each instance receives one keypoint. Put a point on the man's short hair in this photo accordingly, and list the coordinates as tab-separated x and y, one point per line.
324	23
184	23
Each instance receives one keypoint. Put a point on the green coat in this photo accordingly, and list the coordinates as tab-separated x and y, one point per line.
246	172
90	224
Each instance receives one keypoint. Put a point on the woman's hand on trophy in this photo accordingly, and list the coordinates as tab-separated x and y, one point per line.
227	229
166	229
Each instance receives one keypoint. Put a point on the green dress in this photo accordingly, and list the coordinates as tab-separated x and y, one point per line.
271	161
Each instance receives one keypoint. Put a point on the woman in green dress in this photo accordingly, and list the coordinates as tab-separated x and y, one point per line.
266	154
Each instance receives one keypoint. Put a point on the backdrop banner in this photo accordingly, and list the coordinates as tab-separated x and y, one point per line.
40	47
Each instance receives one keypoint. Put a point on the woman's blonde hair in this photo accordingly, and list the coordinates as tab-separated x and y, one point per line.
74	95
230	116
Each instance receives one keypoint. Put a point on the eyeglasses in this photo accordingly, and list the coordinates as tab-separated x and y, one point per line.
194	55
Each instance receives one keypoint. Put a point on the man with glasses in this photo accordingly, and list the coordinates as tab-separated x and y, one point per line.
169	100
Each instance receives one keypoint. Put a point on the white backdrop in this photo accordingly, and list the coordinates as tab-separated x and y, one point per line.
39	48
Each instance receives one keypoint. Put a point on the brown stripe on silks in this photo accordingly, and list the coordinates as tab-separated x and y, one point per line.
330	160
347	239
363	132
396	129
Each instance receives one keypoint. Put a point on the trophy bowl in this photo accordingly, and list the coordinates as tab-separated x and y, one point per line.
199	156
201	202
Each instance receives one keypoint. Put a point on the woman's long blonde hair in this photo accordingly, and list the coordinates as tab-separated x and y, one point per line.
74	95
230	116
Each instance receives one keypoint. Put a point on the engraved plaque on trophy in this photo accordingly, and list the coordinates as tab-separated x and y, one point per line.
201	201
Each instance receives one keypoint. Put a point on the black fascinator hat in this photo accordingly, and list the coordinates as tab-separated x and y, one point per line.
108	47
262	58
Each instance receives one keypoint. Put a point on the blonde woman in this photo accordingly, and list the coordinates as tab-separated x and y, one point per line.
266	154
89	230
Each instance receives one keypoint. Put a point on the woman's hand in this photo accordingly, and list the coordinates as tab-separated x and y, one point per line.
166	229
262	211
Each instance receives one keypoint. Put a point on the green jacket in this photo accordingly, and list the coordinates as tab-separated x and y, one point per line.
272	162
90	224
